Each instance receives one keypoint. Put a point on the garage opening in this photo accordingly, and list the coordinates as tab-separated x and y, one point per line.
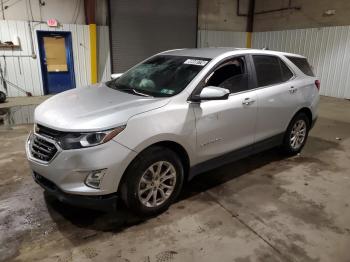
140	29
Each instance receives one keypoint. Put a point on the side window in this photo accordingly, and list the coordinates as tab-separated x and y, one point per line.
268	71
302	64
271	70
286	73
231	75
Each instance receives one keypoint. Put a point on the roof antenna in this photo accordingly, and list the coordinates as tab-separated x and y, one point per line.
265	48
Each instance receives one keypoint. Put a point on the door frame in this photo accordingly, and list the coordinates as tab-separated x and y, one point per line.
69	52
249	68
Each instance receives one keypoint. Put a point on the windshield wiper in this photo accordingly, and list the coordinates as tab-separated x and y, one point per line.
129	90
139	93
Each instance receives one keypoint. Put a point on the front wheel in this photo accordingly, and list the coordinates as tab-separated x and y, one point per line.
296	134
153	181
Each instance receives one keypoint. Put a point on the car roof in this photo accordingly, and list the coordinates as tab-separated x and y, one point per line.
213	52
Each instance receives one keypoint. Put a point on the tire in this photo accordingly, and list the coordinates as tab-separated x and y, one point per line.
2	97
139	181
293	146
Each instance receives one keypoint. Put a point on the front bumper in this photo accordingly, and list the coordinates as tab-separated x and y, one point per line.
103	203
68	168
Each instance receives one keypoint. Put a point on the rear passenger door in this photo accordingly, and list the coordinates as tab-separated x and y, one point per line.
277	96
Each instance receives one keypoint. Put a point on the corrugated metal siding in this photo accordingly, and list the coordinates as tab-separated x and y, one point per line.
104	61
17	115
327	49
208	38
25	71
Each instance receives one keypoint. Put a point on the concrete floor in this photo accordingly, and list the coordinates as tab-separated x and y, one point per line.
264	208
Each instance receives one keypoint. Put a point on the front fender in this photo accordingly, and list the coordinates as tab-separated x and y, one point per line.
174	123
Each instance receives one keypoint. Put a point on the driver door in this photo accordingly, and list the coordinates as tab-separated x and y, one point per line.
223	126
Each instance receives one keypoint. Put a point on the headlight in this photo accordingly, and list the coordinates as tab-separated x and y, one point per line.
81	140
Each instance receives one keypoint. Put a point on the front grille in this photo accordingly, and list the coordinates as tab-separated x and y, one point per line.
48	132
42	149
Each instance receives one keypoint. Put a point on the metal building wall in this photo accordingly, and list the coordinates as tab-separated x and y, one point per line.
209	38
24	71
17	115
327	49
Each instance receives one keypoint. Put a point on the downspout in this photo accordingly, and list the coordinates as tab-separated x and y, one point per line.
238	12
31	40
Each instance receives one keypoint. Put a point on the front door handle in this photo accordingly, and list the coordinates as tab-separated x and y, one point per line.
292	89
248	101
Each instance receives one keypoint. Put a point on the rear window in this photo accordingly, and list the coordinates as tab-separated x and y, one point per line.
302	64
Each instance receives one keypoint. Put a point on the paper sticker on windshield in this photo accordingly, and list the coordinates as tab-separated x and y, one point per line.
195	62
167	91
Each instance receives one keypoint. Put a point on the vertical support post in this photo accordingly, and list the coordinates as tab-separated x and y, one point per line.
90	16
250	23
249	40
93	53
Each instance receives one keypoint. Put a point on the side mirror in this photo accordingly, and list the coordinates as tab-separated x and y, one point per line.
116	76
212	93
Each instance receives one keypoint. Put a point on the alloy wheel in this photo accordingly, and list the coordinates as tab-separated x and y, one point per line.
298	134
157	184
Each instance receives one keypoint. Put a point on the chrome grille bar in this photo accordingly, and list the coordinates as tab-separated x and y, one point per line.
41	148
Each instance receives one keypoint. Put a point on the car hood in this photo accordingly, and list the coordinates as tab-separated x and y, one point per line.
93	108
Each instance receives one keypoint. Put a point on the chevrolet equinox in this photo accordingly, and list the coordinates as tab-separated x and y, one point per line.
179	113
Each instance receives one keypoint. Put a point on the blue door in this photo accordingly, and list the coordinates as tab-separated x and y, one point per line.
56	59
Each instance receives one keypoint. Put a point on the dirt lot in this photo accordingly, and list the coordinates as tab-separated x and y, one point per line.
264	208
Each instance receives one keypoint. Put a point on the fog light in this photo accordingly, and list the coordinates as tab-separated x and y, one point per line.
94	178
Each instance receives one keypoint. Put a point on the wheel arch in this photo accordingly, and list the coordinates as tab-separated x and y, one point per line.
175	147
307	111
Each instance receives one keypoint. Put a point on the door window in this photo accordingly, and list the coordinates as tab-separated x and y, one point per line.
231	75
55	51
271	70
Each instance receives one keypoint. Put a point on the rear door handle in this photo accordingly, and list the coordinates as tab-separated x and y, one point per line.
292	89
248	101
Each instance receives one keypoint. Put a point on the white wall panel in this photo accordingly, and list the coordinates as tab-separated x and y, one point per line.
208	38
327	49
24	71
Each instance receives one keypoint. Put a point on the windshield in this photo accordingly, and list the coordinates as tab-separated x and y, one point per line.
160	76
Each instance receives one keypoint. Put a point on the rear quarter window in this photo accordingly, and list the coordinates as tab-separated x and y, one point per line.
302	64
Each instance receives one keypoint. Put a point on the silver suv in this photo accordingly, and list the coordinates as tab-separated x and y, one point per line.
140	136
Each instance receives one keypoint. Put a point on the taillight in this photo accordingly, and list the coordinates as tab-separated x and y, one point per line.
318	84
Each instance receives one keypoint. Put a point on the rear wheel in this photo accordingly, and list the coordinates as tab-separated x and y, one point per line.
153	181
296	134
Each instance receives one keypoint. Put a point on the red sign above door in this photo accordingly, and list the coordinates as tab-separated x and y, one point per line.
52	22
